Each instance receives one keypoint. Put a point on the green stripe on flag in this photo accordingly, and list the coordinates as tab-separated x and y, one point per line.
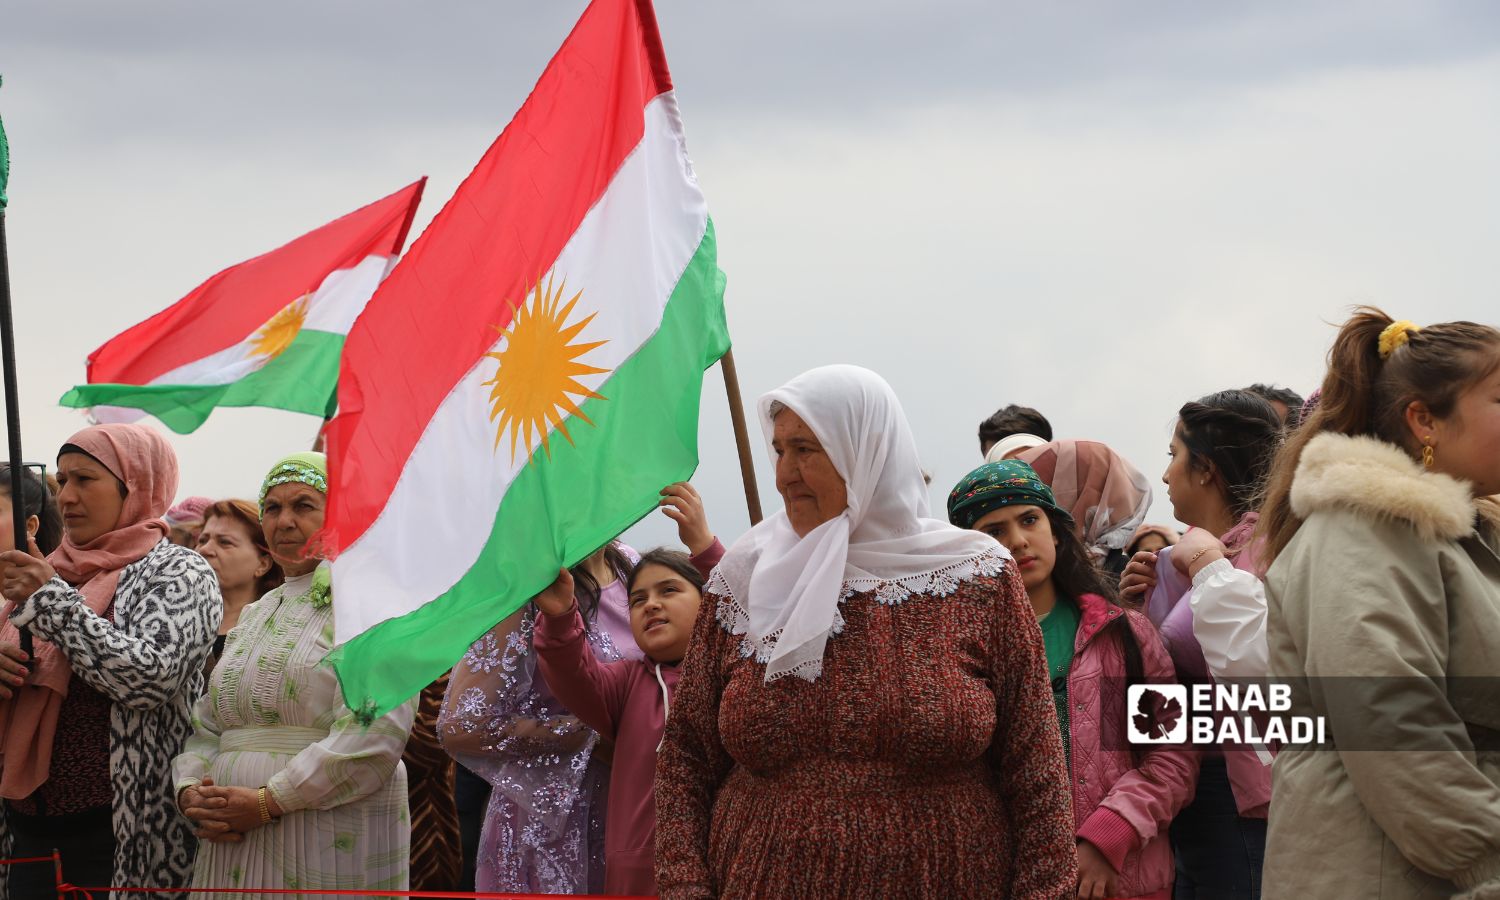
302	379
558	510
4	161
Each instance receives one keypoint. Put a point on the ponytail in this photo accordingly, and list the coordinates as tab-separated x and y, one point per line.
1373	376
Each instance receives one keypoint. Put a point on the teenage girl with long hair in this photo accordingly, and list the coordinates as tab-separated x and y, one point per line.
1383	536
1123	800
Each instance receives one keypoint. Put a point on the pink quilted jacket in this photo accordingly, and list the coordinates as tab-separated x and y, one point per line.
1123	806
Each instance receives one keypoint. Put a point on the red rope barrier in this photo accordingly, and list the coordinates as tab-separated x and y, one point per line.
482	895
65	890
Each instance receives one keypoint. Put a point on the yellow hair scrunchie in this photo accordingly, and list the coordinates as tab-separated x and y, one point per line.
1396	335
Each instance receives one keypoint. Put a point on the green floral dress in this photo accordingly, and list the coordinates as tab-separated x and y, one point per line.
274	716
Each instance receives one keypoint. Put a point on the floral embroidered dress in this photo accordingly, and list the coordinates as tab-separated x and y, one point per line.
274	716
544	827
925	760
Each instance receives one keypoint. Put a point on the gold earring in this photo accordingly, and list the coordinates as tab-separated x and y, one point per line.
1427	453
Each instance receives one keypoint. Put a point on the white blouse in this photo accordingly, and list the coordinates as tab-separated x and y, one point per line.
1229	620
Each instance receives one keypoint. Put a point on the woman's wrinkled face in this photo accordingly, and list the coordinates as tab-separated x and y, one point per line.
1027	533
663	608
1190	489
810	486
230	549
291	514
89	497
1467	444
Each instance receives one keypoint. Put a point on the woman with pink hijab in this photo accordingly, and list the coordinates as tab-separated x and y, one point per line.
1106	495
122	620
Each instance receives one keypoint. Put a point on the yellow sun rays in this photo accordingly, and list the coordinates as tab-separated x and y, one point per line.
538	370
277	335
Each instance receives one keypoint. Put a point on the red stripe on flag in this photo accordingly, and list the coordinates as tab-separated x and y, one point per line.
228	307
435	316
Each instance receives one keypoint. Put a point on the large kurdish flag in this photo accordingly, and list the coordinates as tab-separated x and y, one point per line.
526	381
266	332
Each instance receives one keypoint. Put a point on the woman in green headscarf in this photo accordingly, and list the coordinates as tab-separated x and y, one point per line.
287	789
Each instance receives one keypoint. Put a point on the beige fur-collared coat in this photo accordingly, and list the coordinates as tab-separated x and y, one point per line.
1384	613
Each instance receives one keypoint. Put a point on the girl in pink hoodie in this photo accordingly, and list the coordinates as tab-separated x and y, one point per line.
627	702
1124	796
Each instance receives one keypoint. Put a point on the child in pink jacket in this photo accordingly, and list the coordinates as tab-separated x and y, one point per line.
1124	796
627	702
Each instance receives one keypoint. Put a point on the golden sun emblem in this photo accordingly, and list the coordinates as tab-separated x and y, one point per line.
539	369
277	335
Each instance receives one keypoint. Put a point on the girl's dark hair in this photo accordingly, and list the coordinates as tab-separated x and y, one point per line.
1287	397
248	515
587	590
676	560
1011	420
1232	434
1074	573
37	500
1363	394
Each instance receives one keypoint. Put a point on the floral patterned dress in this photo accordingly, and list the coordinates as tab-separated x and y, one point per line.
544	827
274	716
925	760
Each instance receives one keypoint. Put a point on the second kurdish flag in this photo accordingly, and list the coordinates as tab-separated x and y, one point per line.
528	378
266	332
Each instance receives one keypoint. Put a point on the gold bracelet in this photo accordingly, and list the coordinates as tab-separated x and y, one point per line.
1196	555
265	811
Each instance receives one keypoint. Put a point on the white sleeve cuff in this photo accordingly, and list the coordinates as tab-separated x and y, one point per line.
1221	568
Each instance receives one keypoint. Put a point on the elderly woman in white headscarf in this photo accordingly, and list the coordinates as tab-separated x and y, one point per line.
865	709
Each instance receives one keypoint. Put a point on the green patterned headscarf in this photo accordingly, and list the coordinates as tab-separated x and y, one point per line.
307	468
1009	482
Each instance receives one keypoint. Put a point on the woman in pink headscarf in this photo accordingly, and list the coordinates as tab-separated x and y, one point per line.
122	620
1106	495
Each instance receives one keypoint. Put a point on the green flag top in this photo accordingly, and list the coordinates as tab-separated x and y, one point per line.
4	160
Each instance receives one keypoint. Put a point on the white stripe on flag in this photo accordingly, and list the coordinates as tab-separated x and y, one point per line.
626	257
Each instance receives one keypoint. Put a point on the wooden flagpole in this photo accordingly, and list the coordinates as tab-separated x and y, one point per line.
741	435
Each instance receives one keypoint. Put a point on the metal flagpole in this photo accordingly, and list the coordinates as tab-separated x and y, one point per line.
12	392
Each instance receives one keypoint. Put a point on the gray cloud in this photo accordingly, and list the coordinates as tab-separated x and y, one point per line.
1101	209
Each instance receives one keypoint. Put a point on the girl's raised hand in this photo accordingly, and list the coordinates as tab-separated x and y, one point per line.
680	503
557	597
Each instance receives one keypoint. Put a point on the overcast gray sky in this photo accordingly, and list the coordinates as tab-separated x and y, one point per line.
1100	209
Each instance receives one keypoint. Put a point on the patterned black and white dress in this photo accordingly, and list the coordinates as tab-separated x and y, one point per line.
149	663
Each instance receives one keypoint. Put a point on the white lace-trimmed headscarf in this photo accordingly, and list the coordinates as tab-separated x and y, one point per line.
783	591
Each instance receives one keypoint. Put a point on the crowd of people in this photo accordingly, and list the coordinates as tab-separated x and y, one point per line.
857	698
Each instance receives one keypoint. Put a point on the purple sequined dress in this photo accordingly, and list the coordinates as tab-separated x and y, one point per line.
544	828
